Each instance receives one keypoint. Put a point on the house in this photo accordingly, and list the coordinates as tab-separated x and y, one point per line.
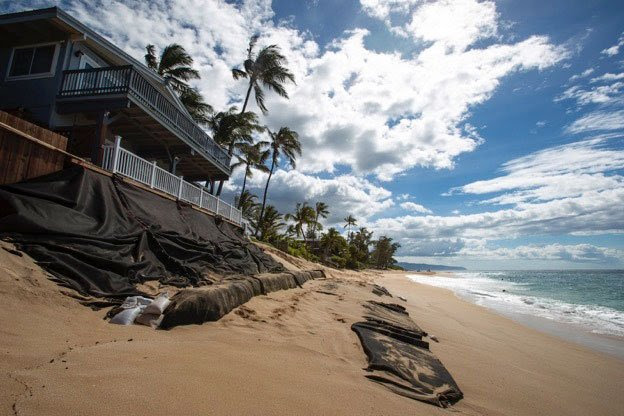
61	75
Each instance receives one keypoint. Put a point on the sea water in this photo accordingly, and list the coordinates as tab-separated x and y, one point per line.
570	302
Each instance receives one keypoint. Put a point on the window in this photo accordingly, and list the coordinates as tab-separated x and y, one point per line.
33	61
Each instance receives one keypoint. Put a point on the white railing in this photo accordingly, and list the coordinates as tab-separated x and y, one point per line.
118	160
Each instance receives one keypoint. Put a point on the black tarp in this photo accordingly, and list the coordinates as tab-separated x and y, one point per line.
399	359
102	236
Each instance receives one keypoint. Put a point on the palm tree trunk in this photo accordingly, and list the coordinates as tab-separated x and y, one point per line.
247	96
266	188
244	183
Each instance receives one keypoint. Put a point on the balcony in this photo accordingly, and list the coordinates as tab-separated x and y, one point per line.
122	162
157	123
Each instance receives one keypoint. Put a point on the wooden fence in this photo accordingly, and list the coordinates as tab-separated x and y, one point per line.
21	158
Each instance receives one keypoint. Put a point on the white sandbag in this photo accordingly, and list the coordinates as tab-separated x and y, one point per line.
158	305
134	301
127	316
149	319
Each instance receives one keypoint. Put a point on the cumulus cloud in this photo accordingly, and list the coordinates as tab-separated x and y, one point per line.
414	207
375	113
575	188
345	194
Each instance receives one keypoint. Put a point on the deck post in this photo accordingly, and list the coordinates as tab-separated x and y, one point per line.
180	187
116	152
153	178
201	196
218	203
230	216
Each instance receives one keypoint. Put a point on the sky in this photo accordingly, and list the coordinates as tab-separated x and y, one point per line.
483	134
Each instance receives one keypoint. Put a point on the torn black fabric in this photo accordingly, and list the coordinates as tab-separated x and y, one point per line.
101	236
399	359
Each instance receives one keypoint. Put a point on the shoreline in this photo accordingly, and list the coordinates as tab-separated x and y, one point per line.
603	343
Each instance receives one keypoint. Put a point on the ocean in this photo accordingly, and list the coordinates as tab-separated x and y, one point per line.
568	303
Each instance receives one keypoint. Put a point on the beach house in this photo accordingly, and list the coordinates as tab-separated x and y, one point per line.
61	75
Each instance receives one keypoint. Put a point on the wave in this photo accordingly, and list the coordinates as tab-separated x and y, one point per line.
493	290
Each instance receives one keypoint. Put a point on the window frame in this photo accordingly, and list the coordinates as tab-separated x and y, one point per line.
48	74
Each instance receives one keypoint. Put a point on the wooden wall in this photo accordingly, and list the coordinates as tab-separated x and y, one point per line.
21	158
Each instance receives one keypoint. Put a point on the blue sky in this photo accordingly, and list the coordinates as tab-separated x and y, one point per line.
488	134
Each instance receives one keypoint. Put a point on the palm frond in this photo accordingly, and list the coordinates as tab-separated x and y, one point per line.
237	73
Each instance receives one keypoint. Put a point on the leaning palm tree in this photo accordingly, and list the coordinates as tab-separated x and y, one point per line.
266	69
252	157
232	129
303	215
283	143
349	221
174	65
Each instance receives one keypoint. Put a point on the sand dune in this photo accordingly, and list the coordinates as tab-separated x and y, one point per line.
290	352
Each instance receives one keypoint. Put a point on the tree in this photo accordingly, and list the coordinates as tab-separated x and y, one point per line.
382	255
246	202
232	129
359	248
349	221
333	245
303	215
174	65
253	157
283	143
269	224
266	69
320	210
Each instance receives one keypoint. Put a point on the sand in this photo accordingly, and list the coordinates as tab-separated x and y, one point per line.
291	352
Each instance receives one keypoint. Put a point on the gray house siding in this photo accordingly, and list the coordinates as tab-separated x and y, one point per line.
37	95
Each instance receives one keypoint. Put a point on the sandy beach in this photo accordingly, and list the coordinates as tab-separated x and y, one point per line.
290	352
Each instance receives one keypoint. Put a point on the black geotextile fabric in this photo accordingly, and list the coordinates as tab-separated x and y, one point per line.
210	303
399	359
102	236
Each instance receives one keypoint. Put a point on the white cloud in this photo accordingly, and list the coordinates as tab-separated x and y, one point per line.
345	194
608	77
583	74
414	207
602	120
570	189
615	49
602	94
577	253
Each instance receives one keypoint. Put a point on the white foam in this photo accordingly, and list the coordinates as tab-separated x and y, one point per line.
487	289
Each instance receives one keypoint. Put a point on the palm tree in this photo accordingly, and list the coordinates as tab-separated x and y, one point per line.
266	69
253	157
350	221
246	202
270	223
232	129
174	65
195	104
283	143
331	243
304	215
320	210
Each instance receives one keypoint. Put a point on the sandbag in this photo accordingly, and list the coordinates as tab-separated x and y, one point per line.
210	303
399	359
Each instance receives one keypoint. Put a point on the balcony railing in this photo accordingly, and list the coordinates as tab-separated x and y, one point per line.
127	80
119	160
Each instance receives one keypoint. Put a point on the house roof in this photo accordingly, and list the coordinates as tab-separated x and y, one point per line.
69	24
